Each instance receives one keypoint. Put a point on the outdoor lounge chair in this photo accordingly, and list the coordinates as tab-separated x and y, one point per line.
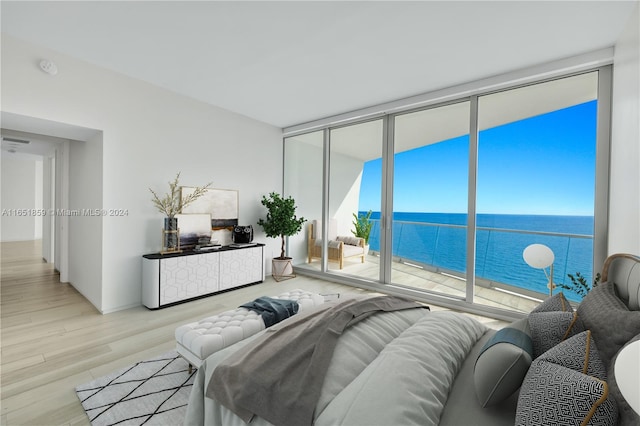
340	247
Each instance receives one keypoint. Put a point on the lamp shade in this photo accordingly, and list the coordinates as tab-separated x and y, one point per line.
538	256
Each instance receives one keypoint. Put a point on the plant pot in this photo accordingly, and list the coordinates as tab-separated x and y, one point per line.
366	250
282	268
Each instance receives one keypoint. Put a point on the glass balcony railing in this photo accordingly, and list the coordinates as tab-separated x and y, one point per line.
499	263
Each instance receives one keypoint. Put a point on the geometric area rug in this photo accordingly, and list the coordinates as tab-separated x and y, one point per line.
151	392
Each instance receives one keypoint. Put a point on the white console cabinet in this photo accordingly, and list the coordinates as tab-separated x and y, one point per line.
174	278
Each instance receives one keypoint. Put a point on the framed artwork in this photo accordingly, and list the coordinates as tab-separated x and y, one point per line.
193	227
221	205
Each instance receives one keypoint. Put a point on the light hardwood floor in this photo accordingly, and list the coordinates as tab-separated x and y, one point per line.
52	339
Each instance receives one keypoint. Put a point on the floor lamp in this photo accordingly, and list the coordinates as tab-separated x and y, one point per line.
540	256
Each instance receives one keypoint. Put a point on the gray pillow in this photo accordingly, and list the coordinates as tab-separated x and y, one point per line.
550	328
554	303
553	393
502	363
352	241
609	319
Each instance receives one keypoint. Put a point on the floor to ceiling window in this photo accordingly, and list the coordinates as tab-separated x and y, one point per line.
536	183
430	181
350	148
457	191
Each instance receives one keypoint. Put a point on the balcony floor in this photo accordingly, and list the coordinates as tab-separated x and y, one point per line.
418	278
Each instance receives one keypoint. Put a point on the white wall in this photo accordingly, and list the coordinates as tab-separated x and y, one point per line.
21	185
37	199
624	206
85	231
148	135
48	200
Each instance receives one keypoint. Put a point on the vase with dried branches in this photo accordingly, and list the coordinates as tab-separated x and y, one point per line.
171	204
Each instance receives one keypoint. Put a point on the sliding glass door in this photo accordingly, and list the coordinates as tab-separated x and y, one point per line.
355	182
536	184
430	192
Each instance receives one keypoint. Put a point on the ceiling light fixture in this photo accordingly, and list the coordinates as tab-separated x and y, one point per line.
49	67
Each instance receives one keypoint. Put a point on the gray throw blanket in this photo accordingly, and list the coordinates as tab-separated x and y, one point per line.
272	310
280	374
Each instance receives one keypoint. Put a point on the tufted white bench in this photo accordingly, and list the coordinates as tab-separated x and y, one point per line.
197	340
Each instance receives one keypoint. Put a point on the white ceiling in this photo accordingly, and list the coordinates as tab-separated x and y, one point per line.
285	63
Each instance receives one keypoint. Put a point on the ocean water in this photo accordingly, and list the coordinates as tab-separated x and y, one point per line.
439	240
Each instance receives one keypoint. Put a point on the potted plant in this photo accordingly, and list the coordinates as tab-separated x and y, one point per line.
171	204
579	284
363	226
281	221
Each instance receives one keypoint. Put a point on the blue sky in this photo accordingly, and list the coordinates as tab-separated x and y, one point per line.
541	165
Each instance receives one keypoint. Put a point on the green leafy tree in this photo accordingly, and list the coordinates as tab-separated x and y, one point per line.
281	220
363	226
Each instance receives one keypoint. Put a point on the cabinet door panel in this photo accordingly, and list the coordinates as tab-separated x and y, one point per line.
185	277
240	267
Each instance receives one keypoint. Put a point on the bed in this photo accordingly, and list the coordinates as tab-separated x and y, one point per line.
413	366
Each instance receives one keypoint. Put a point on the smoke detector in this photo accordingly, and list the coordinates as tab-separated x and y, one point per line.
49	67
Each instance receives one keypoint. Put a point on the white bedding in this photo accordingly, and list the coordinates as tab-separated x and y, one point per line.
392	368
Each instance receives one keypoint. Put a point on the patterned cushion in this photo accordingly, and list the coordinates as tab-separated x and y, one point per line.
555	395
578	353
554	303
502	363
550	328
557	391
609	319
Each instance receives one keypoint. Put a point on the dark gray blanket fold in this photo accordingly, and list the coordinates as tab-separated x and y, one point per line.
279	376
272	310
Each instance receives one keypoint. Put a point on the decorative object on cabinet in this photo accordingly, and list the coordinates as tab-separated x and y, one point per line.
171	204
281	221
242	234
193	227
180	277
222	205
170	236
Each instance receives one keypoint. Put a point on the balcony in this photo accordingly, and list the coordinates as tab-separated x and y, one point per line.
431	257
